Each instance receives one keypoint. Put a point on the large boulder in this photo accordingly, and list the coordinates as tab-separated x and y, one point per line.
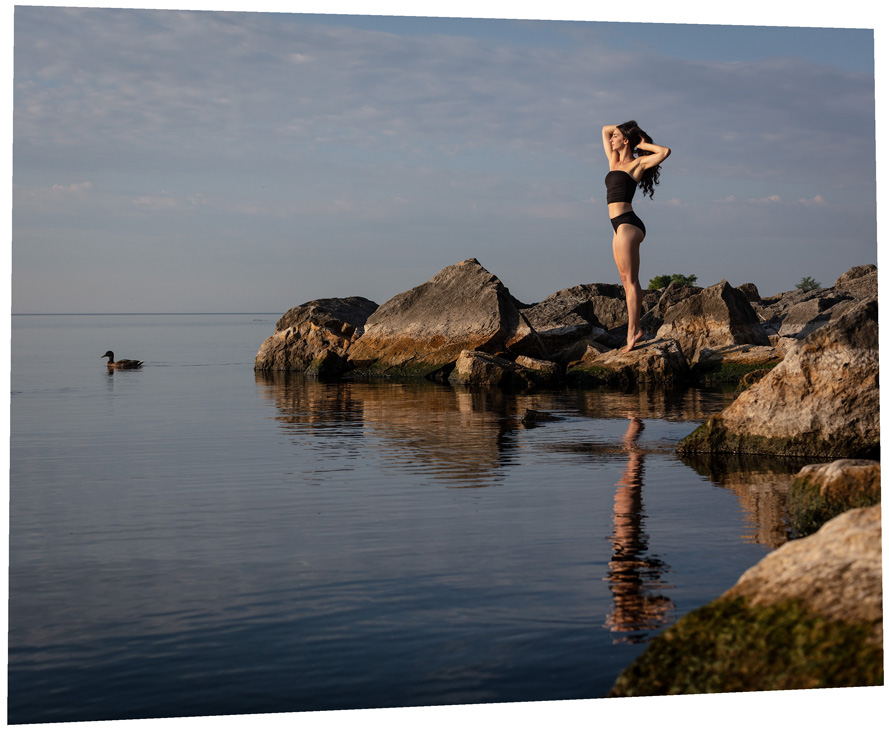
809	614
315	337
657	362
714	317
822	400
421	332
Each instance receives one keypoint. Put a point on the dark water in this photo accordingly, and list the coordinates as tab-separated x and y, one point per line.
195	539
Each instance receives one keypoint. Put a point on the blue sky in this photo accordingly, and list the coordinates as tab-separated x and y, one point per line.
194	161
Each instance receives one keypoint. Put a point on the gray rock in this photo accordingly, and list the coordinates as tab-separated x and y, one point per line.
316	336
730	363
422	332
546	369
856	272
822	400
658	362
485	370
862	287
804	318
579	312
774	309
750	291
653	316
569	315
714	317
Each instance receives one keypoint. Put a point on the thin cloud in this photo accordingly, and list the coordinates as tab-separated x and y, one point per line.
818	201
279	128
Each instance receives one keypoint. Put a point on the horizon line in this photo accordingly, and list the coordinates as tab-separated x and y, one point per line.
120	314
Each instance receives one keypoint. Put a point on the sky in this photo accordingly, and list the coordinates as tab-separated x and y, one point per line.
201	161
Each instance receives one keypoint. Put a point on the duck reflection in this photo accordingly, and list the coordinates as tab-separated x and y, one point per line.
634	575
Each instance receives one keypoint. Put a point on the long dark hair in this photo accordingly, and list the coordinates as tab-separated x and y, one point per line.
635	135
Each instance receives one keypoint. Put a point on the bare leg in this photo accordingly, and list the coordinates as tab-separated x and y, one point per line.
626	255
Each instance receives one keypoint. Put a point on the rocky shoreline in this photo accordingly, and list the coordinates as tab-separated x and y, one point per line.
806	365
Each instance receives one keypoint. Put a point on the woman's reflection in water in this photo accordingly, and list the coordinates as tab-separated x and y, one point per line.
634	576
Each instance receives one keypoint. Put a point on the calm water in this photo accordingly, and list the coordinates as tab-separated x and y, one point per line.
196	539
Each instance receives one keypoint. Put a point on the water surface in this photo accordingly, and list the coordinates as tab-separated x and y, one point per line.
196	539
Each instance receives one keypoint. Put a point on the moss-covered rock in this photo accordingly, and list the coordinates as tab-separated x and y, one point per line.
731	646
730	363
715	437
728	372
594	375
820	492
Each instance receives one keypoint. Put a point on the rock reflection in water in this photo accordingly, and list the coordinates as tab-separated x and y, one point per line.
761	484
634	575
459	436
688	404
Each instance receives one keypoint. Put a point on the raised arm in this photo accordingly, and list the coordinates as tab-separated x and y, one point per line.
657	154
607	131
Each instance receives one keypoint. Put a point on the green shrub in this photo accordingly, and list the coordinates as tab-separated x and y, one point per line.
664	280
807	283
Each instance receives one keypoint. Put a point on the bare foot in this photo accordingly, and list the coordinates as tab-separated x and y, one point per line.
631	341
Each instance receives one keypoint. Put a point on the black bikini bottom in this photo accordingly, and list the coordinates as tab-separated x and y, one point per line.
629	217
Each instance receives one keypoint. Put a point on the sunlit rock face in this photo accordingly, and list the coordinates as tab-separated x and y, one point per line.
822	400
717	316
424	330
315	336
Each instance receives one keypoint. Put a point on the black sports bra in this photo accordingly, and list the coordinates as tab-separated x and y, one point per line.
620	186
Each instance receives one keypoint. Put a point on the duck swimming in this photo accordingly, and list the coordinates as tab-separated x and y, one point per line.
121	364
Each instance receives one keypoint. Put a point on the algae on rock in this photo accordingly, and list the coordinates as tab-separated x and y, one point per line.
809	614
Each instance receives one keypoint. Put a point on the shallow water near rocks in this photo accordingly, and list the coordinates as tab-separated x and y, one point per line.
197	539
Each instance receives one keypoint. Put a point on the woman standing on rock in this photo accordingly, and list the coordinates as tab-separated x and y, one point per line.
632	160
